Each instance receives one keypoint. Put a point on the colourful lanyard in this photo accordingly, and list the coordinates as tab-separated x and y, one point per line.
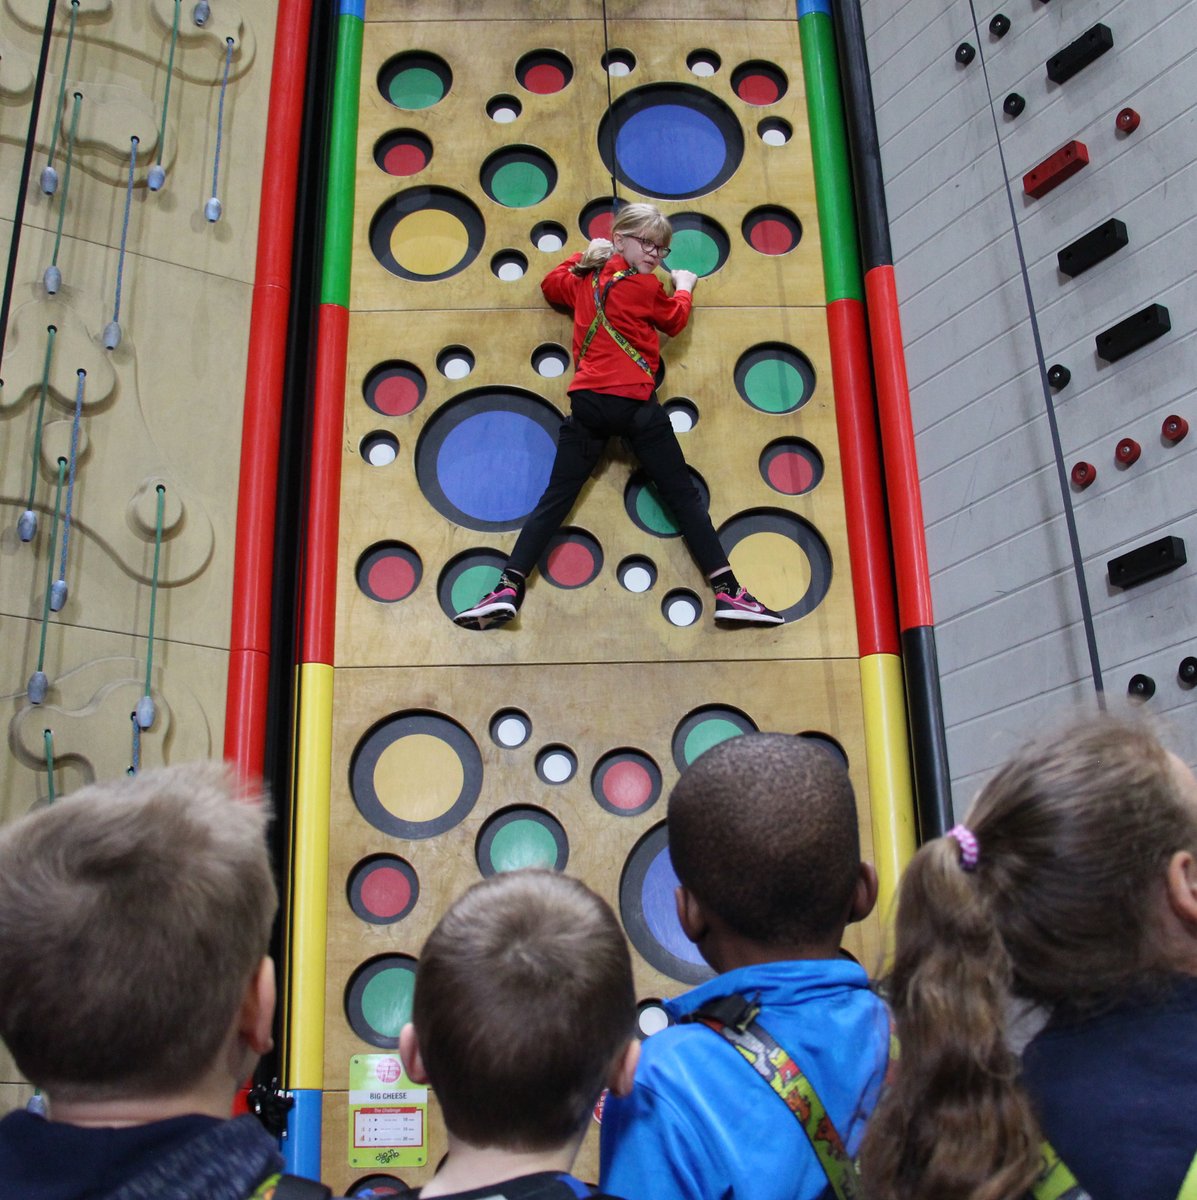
1057	1182
600	318
734	1018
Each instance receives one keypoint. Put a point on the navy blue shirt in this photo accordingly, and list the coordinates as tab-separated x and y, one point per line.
1116	1094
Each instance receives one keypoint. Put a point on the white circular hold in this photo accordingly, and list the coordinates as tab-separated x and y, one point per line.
702	68
550	243
511	732
550	367
652	1019
637	579
774	137
681	612
511	271
456	368
382	454
681	420
557	767
619	69
503	115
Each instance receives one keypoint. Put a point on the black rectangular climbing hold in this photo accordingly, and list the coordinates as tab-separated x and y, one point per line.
1133	333
1089	250
1076	56
1146	562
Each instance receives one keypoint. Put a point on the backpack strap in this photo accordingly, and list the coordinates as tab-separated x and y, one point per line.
734	1019
1057	1182
600	318
290	1187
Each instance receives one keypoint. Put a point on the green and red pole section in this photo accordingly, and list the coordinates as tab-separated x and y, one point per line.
881	485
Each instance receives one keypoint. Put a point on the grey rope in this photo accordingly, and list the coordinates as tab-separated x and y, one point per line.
212	208
145	707
37	681
112	331
58	593
49	180
1078	565
27	524
53	278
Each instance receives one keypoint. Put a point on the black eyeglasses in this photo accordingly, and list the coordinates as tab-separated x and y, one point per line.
662	252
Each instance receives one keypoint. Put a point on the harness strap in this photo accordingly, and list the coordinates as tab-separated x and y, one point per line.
734	1019
600	318
1057	1182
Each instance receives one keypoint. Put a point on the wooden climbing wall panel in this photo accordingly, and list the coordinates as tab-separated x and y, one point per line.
555	740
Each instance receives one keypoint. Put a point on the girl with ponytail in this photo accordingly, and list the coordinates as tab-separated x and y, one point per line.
1073	890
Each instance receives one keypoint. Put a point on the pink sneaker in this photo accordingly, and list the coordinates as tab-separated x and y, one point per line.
742	606
497	607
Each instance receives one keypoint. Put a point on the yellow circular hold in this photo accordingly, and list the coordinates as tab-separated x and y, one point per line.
772	567
429	242
418	778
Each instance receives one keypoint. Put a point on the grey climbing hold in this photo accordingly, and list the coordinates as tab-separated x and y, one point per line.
58	595
212	210
156	177
27	525
201	12
49	180
36	1104
52	279
145	712
112	335
38	686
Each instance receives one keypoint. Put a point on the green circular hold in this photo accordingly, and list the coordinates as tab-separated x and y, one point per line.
775	386
650	508
707	734
386	1000
523	844
416	87
693	250
519	185
472	584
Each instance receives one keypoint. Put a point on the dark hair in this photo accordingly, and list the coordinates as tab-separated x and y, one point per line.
524	1000
1075	834
133	914
763	830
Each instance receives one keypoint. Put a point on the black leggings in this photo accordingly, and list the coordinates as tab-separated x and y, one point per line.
580	443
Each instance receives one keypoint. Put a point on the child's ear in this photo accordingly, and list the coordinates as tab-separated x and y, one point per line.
255	1021
690	914
864	895
624	1071
1182	888
409	1052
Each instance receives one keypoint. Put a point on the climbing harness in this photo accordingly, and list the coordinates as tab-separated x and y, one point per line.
600	318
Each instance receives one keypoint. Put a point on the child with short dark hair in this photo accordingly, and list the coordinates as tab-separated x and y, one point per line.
1072	887
619	309
524	1011
135	988
764	839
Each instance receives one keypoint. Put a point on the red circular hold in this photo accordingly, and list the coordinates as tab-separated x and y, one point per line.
396	395
1127	120
386	892
758	89
1128	451
571	564
627	785
1083	474
1174	428
791	473
392	578
404	159
544	79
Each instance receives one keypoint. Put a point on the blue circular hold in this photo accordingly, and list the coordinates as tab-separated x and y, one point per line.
495	465
484	459
671	150
660	910
671	141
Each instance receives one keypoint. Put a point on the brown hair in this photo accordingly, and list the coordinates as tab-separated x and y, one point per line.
636	220
1075	833
132	915
524	1001
762	829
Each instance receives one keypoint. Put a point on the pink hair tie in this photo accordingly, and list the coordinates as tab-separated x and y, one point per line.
970	848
